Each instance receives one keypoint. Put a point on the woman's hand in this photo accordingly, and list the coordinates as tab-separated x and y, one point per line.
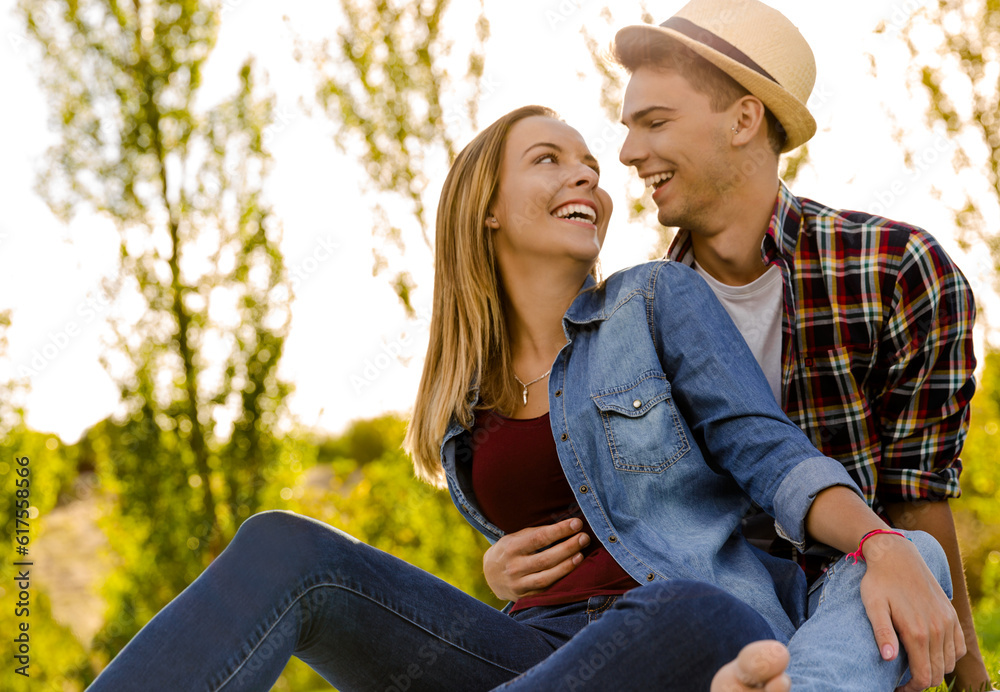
902	596
529	561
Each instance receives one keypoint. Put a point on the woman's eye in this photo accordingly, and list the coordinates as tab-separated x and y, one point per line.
656	123
547	158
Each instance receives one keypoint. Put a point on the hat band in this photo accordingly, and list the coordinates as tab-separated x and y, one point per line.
720	45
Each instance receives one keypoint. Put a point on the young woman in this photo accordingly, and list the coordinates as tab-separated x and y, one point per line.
630	409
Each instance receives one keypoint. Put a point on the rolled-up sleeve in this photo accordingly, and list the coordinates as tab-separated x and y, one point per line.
797	491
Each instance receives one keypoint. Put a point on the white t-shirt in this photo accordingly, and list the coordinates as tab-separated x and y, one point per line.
756	309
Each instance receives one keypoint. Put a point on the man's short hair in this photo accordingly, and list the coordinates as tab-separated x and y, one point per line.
704	77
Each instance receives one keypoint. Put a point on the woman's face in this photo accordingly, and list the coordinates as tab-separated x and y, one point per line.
548	203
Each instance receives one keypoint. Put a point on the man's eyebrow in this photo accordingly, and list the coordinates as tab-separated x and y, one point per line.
638	115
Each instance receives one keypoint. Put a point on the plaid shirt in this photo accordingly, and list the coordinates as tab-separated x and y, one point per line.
877	362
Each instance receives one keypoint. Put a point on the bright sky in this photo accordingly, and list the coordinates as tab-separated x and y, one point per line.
351	352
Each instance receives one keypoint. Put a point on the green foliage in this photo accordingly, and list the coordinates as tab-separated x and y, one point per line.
977	513
386	84
952	44
58	662
192	451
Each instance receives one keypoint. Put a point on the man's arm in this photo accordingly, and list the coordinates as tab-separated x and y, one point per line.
936	519
925	414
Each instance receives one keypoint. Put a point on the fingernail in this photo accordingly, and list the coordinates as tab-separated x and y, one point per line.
577	559
575	524
888	652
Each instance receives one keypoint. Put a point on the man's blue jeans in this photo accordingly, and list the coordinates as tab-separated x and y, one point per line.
289	585
835	649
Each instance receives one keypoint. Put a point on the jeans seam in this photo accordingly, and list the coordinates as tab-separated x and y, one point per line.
295	600
610	601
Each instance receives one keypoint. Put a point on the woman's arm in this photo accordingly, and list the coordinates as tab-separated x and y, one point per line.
898	590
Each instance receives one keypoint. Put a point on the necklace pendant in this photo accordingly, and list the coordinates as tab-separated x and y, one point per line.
524	395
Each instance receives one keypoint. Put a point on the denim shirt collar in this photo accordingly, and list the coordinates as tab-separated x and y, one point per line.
588	306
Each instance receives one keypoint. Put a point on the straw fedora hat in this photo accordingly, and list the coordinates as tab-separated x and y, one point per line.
754	44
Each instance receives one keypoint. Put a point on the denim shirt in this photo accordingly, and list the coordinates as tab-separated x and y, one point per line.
666	430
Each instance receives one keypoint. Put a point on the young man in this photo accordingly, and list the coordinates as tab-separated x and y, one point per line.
862	325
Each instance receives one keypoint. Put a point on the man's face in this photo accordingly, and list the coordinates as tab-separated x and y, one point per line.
679	146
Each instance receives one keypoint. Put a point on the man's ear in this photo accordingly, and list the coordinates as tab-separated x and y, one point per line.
748	119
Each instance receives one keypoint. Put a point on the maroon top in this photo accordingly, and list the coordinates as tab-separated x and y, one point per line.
518	482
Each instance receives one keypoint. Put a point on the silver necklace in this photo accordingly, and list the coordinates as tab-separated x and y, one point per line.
524	392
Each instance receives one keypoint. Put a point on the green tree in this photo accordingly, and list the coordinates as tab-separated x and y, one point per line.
385	81
200	270
954	61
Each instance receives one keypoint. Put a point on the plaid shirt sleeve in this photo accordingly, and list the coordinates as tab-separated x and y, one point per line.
928	382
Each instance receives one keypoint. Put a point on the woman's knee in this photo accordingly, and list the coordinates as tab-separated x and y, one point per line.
280	534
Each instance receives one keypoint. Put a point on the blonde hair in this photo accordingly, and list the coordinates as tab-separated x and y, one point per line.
468	345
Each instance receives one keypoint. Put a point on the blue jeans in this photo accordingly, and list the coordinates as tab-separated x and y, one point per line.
364	620
835	650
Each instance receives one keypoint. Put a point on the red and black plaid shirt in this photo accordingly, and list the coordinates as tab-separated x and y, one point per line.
877	364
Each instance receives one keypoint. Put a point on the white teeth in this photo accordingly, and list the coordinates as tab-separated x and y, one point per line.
582	210
655	180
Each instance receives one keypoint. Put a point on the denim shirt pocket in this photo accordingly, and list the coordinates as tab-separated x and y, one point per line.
644	430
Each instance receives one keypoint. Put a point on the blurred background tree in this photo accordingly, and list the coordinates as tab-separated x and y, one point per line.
203	308
954	47
202	297
954	66
386	83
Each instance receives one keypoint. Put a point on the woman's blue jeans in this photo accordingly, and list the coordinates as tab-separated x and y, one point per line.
364	620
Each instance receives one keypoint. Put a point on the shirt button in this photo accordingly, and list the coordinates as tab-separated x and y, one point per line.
564	437
558	392
636	404
584	489
613	538
650	577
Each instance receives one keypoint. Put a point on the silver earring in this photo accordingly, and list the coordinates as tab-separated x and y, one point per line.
735	130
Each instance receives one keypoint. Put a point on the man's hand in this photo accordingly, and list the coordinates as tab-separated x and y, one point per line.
517	566
914	606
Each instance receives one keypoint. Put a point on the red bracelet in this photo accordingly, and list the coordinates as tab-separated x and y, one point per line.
857	554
